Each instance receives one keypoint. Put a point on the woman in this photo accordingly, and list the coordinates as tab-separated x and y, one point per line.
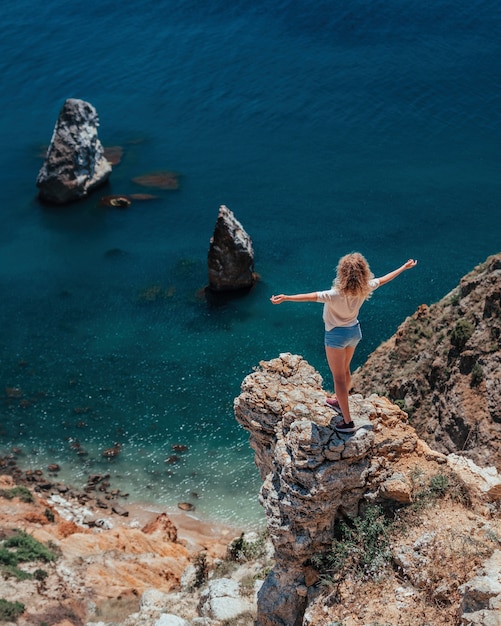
353	284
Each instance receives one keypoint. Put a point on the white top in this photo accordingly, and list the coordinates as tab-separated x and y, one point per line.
342	310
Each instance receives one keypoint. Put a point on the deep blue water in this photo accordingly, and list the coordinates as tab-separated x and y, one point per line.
326	127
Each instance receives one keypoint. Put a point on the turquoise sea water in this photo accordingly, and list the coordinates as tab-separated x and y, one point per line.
326	127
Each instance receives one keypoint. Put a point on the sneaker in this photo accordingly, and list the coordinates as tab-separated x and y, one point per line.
345	427
332	402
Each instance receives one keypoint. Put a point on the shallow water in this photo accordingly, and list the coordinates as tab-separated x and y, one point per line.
324	127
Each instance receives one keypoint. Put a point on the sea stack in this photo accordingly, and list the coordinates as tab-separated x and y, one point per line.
231	256
75	162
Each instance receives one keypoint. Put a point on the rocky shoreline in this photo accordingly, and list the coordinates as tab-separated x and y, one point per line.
115	562
99	504
97	494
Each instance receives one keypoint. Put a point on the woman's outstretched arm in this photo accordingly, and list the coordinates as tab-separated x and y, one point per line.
298	297
406	266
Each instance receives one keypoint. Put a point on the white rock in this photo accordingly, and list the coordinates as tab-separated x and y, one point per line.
104	523
188	578
482	595
152	599
71	511
168	619
485	479
221	600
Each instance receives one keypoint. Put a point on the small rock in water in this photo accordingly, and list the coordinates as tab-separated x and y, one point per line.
186	506
75	162
116	201
112	452
114	253
231	255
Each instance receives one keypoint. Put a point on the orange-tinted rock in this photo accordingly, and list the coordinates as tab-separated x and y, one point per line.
35	517
163	525
67	528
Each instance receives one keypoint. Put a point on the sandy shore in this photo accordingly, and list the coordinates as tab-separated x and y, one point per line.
196	533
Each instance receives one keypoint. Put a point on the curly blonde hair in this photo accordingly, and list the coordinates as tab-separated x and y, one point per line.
353	275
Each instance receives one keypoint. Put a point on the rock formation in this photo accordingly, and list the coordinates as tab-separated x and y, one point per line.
231	256
75	162
443	367
313	475
482	595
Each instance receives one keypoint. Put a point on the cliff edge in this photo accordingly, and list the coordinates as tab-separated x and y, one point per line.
314	476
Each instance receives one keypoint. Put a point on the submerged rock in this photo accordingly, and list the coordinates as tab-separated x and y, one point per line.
75	162
231	255
158	180
114	154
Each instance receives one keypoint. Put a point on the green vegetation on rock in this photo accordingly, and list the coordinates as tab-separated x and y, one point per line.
22	548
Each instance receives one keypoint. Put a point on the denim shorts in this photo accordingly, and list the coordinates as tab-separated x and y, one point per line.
343	336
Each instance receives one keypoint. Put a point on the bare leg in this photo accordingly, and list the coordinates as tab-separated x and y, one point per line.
339	360
348	355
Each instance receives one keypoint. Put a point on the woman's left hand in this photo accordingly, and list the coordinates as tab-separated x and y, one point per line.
277	299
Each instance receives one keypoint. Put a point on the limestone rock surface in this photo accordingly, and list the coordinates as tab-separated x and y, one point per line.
311	473
75	162
481	603
221	600
231	255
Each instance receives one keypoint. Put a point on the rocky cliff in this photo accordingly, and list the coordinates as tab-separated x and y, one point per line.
443	367
313	476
